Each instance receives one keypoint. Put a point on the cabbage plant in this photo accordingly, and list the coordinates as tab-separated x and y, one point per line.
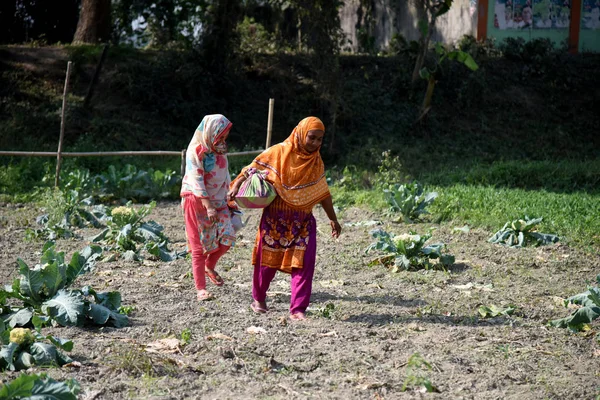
408	251
45	291
35	386
521	232
23	348
127	233
410	200
589	310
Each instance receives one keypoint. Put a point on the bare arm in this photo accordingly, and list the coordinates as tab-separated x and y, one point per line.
336	228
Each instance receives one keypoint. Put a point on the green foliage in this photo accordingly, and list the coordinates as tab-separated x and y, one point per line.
416	374
133	183
390	170
521	232
186	336
46	294
128	233
571	216
66	209
327	311
559	176
494	311
254	38
26	349
39	387
409	200
408	251
588	310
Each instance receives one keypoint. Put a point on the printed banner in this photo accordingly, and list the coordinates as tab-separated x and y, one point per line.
590	19
533	14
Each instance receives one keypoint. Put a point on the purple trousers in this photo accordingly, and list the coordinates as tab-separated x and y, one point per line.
301	277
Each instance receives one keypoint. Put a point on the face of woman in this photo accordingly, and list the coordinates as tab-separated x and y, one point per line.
220	145
314	139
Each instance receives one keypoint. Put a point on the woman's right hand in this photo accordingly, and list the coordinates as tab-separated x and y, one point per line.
233	191
212	213
235	188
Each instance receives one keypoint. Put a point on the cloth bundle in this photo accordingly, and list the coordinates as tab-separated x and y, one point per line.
256	191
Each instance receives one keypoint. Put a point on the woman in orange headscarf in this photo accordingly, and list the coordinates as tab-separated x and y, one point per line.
286	239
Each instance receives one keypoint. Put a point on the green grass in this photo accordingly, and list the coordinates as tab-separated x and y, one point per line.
574	217
489	196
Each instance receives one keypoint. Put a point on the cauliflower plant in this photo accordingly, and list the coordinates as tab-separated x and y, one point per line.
22	336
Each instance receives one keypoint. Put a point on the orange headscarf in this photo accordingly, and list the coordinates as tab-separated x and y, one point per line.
298	176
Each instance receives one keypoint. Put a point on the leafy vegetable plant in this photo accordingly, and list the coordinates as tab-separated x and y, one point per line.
408	251
409	200
589	310
416	374
521	232
65	210
46	294
131	183
39	387
127	233
494	311
22	348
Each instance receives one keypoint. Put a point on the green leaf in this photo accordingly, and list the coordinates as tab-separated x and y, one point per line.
101	315
48	389
82	262
443	8
576	320
64	344
24	361
20	388
67	308
7	355
19	318
44	354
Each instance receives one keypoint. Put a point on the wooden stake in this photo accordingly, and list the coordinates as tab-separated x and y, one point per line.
270	123
183	162
62	126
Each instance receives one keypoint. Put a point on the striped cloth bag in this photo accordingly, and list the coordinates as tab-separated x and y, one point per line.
256	191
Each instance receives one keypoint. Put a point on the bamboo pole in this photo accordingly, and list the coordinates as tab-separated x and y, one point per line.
270	123
183	162
62	126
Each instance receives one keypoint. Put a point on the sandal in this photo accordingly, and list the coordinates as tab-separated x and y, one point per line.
214	277
257	308
203	295
299	316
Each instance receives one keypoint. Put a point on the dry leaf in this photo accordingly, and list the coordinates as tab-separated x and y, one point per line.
167	345
256	330
218	336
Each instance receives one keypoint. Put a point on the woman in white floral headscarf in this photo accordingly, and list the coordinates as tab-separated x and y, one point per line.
204	200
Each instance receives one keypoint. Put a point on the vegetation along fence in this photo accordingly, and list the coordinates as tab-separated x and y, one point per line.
60	154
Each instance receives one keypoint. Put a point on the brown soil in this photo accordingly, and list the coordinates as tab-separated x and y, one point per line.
364	322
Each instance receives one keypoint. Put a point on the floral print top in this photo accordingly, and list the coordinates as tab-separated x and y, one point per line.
208	179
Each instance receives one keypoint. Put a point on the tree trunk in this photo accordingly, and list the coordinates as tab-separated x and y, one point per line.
94	22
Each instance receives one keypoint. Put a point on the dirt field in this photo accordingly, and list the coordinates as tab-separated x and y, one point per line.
364	322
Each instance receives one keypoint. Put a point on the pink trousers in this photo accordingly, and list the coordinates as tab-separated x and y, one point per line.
200	260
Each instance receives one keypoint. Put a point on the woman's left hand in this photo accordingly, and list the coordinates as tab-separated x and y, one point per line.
336	229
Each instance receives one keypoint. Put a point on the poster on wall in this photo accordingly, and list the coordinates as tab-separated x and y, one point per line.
590	19
532	14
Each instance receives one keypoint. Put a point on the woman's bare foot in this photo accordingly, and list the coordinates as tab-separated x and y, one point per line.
299	316
204	295
259	307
